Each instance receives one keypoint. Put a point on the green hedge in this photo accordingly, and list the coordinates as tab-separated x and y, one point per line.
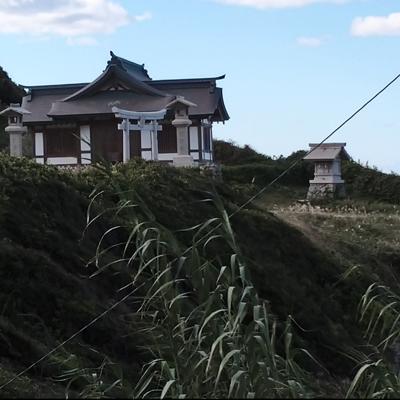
372	184
229	153
262	174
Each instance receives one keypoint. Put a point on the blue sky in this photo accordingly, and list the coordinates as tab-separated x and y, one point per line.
295	68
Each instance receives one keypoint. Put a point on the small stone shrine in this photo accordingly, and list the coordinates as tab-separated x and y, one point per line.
327	182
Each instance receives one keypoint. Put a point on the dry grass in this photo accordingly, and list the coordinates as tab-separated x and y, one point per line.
356	232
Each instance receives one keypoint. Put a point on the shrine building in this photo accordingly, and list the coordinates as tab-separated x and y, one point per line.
122	114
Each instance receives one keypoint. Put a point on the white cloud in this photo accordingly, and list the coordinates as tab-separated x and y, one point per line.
262	4
76	20
82	41
310	41
143	17
376	25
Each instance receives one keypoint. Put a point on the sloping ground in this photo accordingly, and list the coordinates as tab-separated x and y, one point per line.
46	294
359	235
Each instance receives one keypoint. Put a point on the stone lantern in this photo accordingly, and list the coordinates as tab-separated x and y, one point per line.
15	127
182	123
327	180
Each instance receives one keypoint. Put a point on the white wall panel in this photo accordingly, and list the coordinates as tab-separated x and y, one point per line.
86	158
39	144
85	137
194	138
62	161
146	140
146	155
195	155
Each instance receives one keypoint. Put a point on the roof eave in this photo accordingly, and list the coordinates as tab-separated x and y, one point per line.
186	80
58	86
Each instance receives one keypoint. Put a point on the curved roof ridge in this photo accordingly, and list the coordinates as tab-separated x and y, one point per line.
121	74
129	66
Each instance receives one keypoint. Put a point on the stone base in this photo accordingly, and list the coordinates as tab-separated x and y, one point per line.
326	191
183	161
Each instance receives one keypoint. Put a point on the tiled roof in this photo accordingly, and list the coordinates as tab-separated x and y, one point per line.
138	93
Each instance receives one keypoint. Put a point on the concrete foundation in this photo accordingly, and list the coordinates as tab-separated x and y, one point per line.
183	161
318	191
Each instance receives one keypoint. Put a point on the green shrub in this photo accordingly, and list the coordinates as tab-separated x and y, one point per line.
262	174
228	153
369	183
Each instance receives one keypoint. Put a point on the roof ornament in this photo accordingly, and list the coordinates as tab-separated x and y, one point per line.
114	60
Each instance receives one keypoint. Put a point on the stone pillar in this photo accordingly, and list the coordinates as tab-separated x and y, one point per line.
154	140
182	124
16	131
126	141
16	144
15	127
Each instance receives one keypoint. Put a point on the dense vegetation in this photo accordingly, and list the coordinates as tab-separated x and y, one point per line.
50	286
10	92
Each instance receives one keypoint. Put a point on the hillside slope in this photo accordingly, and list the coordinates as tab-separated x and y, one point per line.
46	293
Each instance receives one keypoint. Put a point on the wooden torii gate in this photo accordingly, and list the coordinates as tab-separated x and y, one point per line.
141	117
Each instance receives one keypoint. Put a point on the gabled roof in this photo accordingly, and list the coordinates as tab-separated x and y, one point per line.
327	152
180	100
114	72
13	110
127	85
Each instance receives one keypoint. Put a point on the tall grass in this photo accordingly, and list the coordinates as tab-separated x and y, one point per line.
378	374
208	332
